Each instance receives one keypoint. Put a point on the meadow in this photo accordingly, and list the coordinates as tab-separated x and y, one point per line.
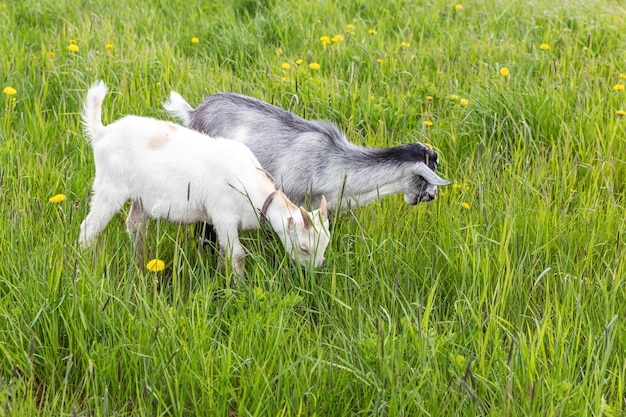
506	296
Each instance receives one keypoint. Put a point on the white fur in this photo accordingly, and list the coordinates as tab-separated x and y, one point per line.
173	173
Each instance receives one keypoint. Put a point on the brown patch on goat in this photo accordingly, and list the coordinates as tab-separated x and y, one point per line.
157	142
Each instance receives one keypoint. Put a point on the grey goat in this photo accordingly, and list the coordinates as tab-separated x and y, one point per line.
309	159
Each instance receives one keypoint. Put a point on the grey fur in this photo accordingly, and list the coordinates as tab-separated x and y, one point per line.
309	159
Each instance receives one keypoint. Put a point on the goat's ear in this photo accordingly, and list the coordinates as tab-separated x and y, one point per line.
305	218
290	224
429	175
324	209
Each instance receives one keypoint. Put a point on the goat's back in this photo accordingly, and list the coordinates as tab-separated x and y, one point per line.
141	141
238	110
160	161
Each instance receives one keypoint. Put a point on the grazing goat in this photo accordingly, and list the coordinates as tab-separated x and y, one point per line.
309	159
174	173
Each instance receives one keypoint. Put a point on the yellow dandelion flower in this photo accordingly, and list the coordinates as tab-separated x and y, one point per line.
504	71
454	97
379	60
572	191
155	265
371	97
429	98
544	46
458	6
464	102
285	66
337	38
109	46
195	40
260	294
428	123
618	87
380	121
9	91
325	40
88	69
52	54
279	51
299	61
73	41
314	66
57	198
466	205
621	112
622	76
73	47
460	361
405	44
456	185
350	26
283	79
372	32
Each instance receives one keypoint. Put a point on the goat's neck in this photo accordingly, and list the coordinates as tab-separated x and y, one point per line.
366	176
265	195
352	200
279	211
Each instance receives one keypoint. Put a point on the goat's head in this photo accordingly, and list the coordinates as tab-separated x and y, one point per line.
423	179
307	234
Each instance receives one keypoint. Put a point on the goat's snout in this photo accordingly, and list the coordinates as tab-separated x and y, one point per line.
423	196
318	263
429	196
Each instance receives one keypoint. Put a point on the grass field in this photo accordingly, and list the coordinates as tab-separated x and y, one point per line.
504	297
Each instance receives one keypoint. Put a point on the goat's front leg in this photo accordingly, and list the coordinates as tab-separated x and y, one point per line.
230	247
136	228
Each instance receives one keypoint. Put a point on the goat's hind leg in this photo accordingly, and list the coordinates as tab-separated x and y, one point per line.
101	211
136	228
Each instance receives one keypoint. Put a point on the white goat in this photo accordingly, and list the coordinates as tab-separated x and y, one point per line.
309	159
173	173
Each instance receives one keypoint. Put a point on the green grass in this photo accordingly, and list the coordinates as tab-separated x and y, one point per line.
511	304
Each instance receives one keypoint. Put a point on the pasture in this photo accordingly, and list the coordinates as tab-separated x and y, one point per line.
506	296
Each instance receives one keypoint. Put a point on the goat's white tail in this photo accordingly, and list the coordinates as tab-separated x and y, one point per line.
178	107
92	111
